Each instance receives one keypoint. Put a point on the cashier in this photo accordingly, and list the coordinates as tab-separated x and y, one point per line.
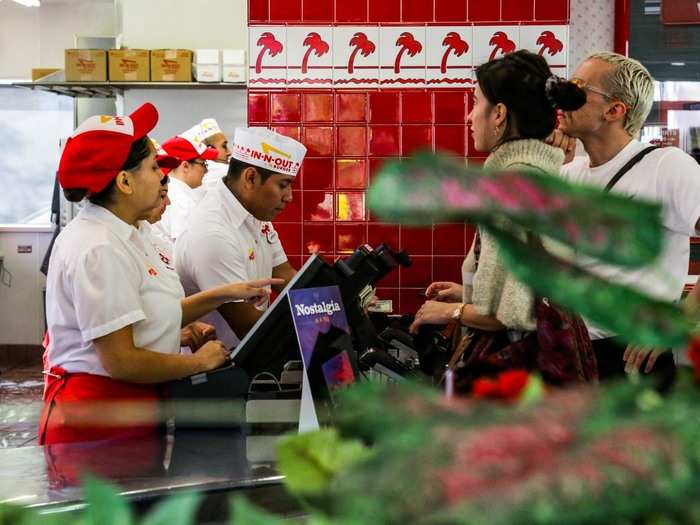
194	157
229	236
114	311
212	136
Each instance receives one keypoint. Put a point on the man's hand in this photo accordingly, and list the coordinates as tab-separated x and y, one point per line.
635	355
432	312
445	291
559	139
196	334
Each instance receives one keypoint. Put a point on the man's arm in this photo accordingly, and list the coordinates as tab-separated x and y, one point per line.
240	317
284	271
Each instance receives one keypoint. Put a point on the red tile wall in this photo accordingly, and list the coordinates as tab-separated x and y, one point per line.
350	133
406	11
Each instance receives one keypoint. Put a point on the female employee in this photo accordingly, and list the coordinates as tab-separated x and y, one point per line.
114	311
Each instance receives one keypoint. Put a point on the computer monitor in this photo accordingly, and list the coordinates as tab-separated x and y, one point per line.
272	342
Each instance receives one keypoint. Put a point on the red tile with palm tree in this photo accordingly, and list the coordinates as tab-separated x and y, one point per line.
402	56
356	56
449	56
268	57
547	41
494	42
309	56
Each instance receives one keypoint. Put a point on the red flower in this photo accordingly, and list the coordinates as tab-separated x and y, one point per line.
507	386
694	355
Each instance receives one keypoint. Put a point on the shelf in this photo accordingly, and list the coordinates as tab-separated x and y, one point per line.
110	89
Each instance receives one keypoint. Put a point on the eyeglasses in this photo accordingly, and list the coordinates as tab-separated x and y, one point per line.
584	85
202	163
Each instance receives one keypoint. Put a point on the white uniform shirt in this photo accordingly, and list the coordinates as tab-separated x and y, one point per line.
103	276
216	172
183	199
223	244
668	176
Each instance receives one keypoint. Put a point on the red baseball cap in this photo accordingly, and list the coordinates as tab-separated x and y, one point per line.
186	149
166	162
99	147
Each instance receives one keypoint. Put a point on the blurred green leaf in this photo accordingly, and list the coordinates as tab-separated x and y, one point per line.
176	510
245	513
311	461
105	505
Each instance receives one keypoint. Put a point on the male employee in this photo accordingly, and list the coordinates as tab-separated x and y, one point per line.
620	93
210	134
184	179
230	237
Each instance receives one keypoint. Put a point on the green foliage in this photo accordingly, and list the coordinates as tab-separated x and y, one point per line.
311	461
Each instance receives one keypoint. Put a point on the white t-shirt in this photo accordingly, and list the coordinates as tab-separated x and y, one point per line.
104	276
668	176
224	243
183	199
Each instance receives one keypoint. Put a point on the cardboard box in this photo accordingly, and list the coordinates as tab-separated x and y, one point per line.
233	65
171	65
86	65
41	72
129	65
207	66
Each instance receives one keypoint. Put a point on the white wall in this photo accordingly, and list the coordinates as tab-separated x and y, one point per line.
185	24
36	36
592	29
21	305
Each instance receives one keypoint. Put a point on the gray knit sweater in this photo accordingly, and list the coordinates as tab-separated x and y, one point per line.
490	288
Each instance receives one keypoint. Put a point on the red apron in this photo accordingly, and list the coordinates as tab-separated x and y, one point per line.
87	407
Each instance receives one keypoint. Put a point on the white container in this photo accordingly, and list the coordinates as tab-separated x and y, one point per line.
206	65
233	65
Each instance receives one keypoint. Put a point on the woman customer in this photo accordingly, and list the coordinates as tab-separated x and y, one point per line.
515	107
114	311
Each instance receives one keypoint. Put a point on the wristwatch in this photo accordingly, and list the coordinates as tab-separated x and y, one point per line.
457	313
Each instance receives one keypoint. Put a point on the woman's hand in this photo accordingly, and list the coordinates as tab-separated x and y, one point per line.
255	292
212	355
445	291
432	312
196	334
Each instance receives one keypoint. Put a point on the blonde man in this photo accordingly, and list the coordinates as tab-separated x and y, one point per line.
620	94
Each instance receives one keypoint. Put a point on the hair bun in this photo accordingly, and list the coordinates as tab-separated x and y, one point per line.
564	94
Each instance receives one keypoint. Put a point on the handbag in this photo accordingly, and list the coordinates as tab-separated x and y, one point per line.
559	348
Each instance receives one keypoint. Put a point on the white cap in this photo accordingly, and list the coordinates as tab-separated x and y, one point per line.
209	127
267	149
